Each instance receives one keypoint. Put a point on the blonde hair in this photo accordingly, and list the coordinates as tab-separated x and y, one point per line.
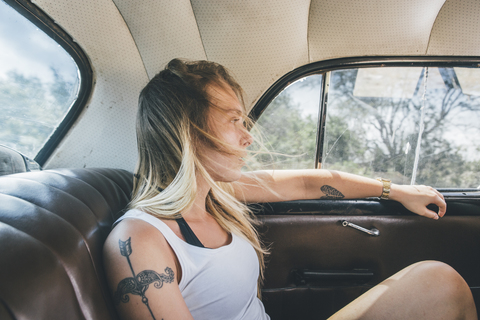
171	121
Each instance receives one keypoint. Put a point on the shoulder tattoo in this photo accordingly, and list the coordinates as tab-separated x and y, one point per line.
331	193
139	283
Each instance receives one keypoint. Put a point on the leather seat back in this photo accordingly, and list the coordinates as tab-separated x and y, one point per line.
52	228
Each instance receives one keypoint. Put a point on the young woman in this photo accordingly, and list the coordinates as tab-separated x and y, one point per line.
187	248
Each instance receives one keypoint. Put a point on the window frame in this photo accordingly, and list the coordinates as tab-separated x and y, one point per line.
325	67
40	19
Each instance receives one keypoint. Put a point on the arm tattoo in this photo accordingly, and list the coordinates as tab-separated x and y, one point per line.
331	193
139	283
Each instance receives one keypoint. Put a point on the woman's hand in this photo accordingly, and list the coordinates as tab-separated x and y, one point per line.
417	198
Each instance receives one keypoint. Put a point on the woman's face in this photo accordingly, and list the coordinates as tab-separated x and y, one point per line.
226	122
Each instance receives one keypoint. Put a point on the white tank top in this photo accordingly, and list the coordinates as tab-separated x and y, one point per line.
216	283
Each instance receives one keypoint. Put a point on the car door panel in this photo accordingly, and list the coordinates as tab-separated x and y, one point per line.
310	248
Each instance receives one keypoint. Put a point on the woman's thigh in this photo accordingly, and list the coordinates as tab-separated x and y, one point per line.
424	290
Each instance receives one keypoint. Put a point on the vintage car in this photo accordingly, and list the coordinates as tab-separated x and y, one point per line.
380	88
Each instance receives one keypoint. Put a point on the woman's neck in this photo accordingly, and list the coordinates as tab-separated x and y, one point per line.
198	210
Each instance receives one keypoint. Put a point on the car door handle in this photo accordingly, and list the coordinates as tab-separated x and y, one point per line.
373	232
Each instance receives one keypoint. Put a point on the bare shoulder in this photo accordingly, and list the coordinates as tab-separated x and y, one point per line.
143	233
134	239
142	273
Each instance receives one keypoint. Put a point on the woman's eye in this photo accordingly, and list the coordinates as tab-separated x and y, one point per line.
235	120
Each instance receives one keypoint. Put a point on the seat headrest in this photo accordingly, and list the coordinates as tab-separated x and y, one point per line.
11	161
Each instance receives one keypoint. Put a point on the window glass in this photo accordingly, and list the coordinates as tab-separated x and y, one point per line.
288	127
39	82
412	125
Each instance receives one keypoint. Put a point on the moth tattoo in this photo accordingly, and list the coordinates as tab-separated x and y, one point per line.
331	193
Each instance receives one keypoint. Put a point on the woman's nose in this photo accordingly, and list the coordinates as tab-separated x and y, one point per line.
247	139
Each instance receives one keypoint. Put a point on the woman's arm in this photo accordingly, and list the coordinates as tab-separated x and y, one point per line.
142	273
285	185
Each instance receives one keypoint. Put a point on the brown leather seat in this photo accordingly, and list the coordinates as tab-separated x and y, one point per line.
52	228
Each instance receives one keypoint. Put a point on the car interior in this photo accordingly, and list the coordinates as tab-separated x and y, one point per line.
373	87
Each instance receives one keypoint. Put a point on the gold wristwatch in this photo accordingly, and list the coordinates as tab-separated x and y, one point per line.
386	188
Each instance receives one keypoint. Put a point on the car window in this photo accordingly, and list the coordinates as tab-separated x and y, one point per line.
410	124
39	82
288	128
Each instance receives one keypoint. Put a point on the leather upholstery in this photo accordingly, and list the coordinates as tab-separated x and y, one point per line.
11	161
308	235
53	225
52	228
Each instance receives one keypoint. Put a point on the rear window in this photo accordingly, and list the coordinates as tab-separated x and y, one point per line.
39	82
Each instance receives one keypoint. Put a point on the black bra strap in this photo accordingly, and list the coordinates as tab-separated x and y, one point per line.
188	234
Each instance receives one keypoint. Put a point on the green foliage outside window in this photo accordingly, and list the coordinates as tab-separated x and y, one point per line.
39	81
383	132
30	110
288	135
377	135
